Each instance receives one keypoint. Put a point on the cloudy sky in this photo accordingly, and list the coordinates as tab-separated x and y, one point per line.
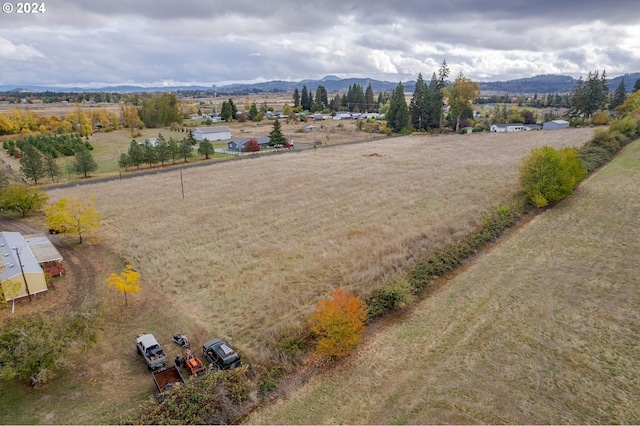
159	42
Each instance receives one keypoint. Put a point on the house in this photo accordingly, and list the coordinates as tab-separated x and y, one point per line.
28	259
555	125
216	133
532	127
239	145
510	127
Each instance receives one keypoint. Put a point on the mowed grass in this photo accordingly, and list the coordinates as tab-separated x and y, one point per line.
544	329
255	243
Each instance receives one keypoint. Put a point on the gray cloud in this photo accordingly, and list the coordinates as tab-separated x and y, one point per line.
204	42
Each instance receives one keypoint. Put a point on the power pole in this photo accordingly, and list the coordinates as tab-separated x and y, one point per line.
24	277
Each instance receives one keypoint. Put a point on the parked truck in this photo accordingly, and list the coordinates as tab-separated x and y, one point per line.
165	379
151	351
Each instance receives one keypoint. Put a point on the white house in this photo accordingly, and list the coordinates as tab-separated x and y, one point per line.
555	125
216	133
510	127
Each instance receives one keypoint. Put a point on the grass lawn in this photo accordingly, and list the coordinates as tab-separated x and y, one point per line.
543	329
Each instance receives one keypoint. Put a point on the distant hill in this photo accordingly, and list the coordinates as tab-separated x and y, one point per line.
541	84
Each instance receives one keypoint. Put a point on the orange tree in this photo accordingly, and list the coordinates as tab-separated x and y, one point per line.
338	323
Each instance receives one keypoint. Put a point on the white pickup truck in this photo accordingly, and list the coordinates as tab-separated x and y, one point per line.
151	351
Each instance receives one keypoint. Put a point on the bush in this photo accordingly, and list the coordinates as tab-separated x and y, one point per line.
600	118
594	157
548	175
627	126
389	299
607	139
338	323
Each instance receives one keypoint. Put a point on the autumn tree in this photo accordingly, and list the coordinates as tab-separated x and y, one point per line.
74	215
460	96
338	323
252	145
22	199
128	282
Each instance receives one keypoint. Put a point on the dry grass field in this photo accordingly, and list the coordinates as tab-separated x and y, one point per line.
255	243
543	329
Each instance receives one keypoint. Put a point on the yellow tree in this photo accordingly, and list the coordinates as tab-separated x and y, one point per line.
9	290
127	282
73	216
338	323
461	95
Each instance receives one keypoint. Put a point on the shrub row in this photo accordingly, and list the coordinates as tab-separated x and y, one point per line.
606	143
394	296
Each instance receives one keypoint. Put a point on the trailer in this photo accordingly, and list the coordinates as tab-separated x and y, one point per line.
165	380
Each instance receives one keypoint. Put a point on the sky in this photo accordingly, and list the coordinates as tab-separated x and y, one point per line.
96	43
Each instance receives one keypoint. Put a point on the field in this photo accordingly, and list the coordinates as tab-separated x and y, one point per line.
544	329
255	243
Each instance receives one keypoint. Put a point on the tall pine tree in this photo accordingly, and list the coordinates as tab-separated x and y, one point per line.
398	114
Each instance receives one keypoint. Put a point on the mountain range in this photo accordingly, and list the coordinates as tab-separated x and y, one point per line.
541	84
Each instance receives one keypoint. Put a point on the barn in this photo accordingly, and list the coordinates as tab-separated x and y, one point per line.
25	260
555	125
215	133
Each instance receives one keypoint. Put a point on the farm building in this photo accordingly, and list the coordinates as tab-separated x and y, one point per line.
510	127
555	125
239	145
216	133
36	254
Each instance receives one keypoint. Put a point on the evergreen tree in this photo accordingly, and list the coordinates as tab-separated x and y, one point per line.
234	109
434	99
206	148
296	97
84	162
276	137
305	102
174	149
419	105
136	154
369	99
443	74
322	100
149	153
590	95
253	111
185	149
398	115
162	149
31	163
619	96
51	167
636	86
225	111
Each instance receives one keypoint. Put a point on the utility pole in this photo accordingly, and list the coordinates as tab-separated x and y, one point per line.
24	277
